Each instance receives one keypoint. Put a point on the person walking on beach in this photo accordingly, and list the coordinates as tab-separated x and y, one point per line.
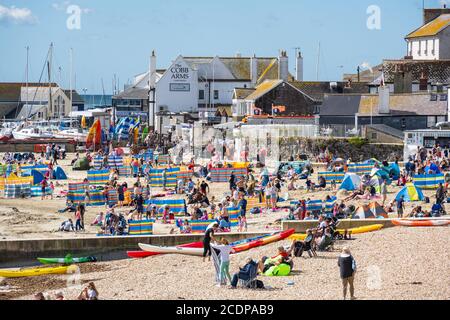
400	206
224	255
209	235
384	191
347	267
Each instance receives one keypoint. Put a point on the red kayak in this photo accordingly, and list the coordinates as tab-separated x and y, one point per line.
264	241
145	254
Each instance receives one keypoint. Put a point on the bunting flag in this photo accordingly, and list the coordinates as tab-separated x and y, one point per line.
95	135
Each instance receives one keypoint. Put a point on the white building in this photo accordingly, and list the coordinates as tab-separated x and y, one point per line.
202	85
431	41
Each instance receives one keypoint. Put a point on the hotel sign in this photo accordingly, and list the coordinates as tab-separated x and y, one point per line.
179	73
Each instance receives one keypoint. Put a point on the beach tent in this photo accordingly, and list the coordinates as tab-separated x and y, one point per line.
378	211
81	165
59	174
370	211
395	171
410	193
351	182
371	161
37	177
363	212
433	168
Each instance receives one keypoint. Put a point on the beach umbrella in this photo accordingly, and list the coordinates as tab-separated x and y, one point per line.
410	193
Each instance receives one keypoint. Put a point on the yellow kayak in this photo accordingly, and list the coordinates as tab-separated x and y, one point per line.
365	229
33	272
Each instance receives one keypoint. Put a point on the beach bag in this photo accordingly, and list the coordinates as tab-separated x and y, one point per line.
255	284
255	210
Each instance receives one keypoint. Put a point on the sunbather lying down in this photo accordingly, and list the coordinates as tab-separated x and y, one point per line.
279	266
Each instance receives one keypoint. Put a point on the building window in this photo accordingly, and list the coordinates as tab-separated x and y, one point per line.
373	136
431	121
216	94
201	94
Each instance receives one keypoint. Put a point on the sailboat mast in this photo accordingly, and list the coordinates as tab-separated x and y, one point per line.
49	67
318	63
70	81
27	73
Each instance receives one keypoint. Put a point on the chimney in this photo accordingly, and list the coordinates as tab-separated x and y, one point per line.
254	70
423	83
299	67
431	14
384	100
283	66
152	75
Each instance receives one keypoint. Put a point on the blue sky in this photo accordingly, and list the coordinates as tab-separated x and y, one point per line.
116	37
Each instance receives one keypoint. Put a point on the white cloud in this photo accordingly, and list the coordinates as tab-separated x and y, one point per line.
16	15
62	6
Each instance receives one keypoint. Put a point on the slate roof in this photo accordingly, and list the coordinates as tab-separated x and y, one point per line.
242	93
340	105
133	93
416	104
11	91
405	104
317	90
435	70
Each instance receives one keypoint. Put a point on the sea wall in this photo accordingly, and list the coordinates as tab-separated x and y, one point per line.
356	149
24	252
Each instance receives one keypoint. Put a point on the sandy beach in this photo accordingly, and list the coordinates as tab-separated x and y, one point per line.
396	263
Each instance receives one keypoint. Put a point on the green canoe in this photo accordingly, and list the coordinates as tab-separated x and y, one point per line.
67	260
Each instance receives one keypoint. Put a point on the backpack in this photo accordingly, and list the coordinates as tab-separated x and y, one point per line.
255	284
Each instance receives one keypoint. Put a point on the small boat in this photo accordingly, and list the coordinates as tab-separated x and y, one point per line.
359	230
145	254
68	260
421	223
32	133
238	247
73	133
5	273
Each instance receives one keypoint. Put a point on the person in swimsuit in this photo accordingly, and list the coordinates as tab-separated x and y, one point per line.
209	235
